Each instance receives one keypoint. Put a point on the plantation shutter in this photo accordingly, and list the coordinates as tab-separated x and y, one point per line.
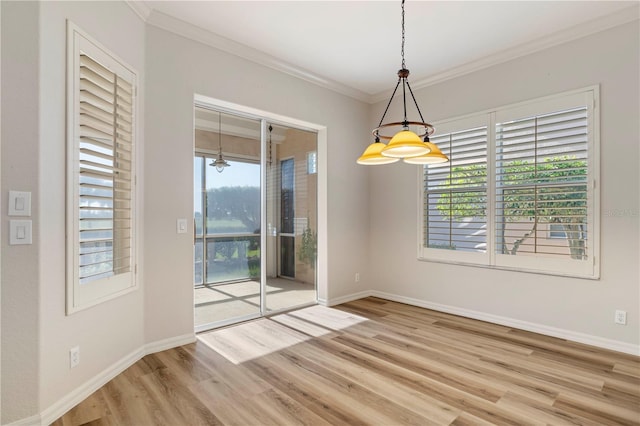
520	192
541	180
101	173
105	172
455	200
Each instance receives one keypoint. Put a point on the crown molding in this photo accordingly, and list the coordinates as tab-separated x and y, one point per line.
209	38
623	16
198	34
140	8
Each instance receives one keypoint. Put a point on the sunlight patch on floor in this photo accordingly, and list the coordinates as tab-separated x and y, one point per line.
255	339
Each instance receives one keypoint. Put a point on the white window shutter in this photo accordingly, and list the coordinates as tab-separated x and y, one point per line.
101	174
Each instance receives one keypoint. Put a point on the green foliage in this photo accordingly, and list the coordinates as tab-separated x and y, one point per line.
550	204
308	248
565	204
443	246
459	205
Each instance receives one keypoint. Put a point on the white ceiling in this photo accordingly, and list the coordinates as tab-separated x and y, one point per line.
356	44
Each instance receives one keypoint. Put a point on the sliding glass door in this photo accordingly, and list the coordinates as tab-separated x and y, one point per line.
227	216
239	273
292	219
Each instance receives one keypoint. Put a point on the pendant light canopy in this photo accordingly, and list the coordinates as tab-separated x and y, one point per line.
405	143
220	163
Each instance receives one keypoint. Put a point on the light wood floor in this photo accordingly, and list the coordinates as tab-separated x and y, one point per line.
370	362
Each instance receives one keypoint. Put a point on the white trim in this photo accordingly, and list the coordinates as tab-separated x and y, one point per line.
322	148
546	330
187	30
192	32
585	29
80	297
208	102
588	268
140	8
172	342
345	299
69	401
574	336
28	421
79	394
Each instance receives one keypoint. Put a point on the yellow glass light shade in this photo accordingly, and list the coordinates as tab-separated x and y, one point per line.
405	143
434	157
372	156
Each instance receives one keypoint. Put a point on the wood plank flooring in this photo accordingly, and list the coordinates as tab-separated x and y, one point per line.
370	362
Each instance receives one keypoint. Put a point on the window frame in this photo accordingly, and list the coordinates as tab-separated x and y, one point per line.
442	255
312	162
83	296
588	97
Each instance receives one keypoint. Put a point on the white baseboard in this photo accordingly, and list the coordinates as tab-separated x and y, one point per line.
172	342
345	299
69	401
574	336
79	394
29	421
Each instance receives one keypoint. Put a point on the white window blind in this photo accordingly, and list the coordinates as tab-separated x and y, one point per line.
541	179
101	174
519	192
455	201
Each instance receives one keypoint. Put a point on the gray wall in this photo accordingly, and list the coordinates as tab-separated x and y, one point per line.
20	277
36	332
381	245
176	69
609	58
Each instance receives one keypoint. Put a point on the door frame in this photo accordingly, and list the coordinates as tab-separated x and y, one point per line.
265	119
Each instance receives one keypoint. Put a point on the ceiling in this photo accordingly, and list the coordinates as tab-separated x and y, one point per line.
355	45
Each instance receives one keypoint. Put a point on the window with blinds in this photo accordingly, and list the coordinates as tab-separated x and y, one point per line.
101	173
541	180
519	191
455	201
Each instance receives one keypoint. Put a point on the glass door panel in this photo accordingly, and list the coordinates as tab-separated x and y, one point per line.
291	218
227	214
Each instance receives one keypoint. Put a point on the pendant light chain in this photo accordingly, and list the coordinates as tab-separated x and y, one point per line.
412	147
219	133
220	163
270	145
402	48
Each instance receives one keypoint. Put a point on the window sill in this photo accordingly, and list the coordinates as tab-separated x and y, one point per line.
595	277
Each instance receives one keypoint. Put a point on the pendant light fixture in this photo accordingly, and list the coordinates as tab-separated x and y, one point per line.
220	163
412	147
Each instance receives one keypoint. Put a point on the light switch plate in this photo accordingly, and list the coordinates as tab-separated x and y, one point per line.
19	232
181	226
19	203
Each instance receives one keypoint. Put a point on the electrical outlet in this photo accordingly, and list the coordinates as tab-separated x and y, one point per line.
74	356
357	277
621	317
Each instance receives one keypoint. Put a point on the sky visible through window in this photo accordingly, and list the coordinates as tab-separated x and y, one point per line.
239	174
